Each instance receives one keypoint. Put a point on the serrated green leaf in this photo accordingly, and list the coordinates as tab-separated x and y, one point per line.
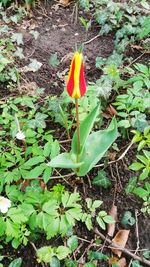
62	252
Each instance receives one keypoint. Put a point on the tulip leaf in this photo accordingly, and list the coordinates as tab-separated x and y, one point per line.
96	146
85	129
65	160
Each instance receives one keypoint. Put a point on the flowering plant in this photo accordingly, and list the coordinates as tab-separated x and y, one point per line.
86	149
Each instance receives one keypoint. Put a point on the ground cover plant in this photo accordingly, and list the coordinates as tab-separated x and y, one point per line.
74	133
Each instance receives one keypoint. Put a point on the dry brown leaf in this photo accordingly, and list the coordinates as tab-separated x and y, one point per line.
64	2
111	226
111	110
120	239
121	262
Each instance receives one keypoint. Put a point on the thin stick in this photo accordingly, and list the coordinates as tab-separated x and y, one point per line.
78	128
124	250
137	236
121	157
91	40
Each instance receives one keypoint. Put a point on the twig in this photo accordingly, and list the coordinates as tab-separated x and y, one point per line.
35	249
137	236
124	250
85	251
91	40
121	157
62	176
89	181
136	59
119	179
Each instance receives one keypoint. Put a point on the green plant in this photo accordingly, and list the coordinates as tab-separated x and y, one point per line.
132	105
50	254
86	24
102	217
101	180
87	159
143	165
142	138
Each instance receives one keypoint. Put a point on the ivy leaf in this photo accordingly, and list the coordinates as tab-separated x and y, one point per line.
136	263
53	61
34	65
19	53
128	218
17	37
54	262
70	263
95	255
72	242
89	264
101	180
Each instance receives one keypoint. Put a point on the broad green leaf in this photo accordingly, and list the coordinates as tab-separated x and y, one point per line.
144	174
147	185
64	160
35	173
72	242
16	215
35	160
101	222
16	263
3	226
108	219
70	263
96	146
47	174
136	166
47	149
62	252
51	207
131	185
140	192
45	254
85	129
95	255
89	264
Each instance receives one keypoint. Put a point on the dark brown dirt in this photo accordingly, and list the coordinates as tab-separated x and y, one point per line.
58	33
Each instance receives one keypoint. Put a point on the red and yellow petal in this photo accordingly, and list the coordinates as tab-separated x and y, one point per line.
76	86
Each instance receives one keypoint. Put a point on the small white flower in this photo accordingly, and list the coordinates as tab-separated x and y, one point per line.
5	204
20	136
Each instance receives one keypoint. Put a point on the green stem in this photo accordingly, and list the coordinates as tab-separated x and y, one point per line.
78	129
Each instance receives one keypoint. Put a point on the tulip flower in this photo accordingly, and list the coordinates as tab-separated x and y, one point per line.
76	86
